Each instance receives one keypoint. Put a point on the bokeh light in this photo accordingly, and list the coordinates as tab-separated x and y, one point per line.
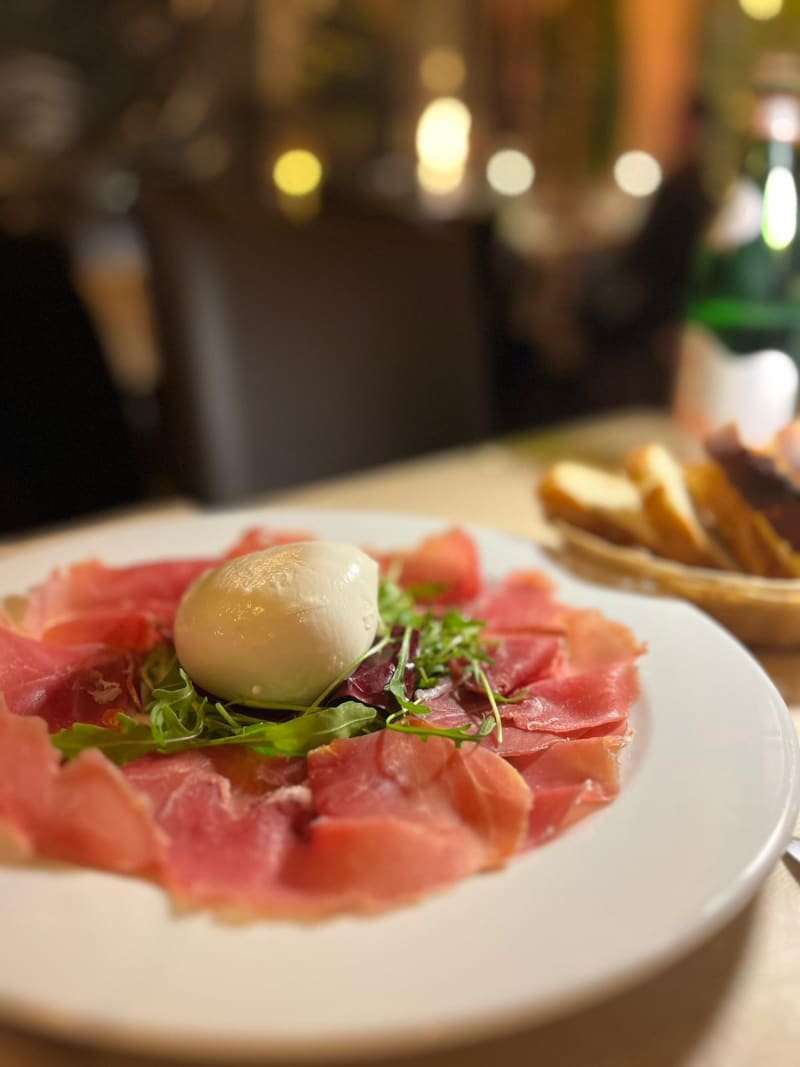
510	172
761	9
779	212
439	181
297	172
637	173
443	134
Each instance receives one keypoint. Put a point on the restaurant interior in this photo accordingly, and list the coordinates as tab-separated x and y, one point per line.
507	294
248	244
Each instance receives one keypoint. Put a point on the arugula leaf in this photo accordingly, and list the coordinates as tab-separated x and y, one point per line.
133	739
297	737
399	721
450	638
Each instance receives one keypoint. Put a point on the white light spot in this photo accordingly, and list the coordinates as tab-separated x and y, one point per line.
443	134
510	172
637	173
779	214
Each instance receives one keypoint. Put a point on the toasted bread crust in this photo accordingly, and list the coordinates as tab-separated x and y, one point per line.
668	505
748	534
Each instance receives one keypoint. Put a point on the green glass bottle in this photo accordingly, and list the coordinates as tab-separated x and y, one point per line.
744	295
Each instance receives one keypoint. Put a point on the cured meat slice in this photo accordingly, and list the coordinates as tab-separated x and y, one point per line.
424	780
361	824
449	562
525	600
64	685
569	781
450	711
229	833
28	764
569	705
83	812
576	703
593	641
520	659
380	819
125	607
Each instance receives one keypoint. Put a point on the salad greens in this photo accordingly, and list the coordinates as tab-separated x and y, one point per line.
420	648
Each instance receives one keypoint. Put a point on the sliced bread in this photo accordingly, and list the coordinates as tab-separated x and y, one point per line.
669	507
605	504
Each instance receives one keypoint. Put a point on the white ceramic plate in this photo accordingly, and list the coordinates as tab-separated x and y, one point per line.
709	800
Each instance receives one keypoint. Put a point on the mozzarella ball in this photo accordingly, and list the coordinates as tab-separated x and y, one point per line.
279	626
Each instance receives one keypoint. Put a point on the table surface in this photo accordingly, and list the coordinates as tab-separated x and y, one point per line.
735	1001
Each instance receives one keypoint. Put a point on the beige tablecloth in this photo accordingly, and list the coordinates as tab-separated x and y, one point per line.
735	1002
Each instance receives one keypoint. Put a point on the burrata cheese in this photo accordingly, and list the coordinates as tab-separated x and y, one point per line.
279	626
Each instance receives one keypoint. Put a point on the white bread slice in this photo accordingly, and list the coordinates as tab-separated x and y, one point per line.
669	507
605	504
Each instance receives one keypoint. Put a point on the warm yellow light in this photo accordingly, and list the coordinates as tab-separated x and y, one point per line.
443	134
510	172
779	212
637	173
437	181
761	9
442	70
297	172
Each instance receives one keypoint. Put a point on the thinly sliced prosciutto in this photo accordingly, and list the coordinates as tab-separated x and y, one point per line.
130	608
565	705
445	568
361	824
575	703
376	821
525	600
569	780
83	812
64	685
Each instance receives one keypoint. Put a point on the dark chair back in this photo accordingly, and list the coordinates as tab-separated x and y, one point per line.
295	352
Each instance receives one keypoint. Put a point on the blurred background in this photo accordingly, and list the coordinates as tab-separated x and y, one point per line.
249	243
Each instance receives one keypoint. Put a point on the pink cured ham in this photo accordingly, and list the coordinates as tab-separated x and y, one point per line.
64	685
565	705
451	710
359	825
524	601
569	780
379	820
125	607
575	703
593	641
448	562
519	660
426	780
82	812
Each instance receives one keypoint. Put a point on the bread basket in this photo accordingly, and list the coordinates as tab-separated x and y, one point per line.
761	612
